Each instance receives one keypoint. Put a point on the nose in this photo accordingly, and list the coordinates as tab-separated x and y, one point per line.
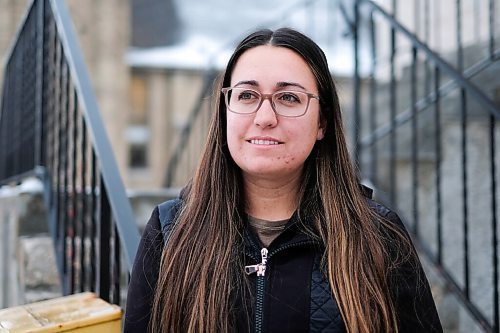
265	115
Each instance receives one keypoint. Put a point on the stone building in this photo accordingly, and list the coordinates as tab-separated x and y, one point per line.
103	30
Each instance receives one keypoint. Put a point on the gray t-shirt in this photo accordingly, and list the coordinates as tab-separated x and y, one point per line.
267	230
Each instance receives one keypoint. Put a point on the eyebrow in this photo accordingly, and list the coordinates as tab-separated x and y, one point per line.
249	82
281	84
289	84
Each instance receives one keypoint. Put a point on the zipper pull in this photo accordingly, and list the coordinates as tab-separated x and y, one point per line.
259	268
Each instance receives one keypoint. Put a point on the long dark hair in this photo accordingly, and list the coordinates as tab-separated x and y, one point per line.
201	266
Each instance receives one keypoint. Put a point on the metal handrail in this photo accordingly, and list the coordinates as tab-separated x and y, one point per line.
120	205
173	163
443	65
423	104
431	100
53	129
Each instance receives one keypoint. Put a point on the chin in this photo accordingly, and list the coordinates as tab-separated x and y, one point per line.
270	172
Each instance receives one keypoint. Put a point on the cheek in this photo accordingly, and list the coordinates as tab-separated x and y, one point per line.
234	134
306	138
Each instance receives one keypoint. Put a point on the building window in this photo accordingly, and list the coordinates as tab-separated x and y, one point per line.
138	156
138	95
138	142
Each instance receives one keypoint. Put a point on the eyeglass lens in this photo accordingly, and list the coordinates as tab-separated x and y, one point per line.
285	103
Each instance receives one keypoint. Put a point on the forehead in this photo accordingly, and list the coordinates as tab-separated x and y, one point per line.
268	65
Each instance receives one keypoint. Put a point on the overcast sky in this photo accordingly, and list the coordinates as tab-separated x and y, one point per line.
211	28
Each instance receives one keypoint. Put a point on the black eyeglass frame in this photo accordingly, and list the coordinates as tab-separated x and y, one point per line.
270	98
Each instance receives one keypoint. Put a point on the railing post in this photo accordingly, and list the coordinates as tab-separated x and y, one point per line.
494	226
414	143
438	149
393	112
104	243
39	75
356	126
491	21
373	101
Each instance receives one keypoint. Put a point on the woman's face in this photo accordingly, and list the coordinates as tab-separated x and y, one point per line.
264	144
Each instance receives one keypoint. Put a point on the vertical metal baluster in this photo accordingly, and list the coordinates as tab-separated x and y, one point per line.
17	139
24	110
93	220
74	191
65	151
60	171
58	176
84	198
463	115
357	87
39	144
18	115
464	190
392	137
116	266
45	159
460	54
373	100
51	126
104	243
414	143
494	226
427	86
437	122
491	20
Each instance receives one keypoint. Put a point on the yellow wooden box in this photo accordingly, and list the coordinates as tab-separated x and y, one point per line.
81	313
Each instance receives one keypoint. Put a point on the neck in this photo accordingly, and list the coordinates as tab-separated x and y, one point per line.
272	200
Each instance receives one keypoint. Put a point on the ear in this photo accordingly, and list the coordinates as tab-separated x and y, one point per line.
321	129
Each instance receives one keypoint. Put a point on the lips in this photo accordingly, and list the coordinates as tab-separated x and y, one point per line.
264	141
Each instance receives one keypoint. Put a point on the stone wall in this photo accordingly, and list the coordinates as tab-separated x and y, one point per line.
28	270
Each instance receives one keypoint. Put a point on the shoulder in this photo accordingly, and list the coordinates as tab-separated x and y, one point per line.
410	289
167	212
386	213
144	276
381	210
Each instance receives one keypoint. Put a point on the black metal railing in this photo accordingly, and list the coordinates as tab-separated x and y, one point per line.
50	127
186	143
425	135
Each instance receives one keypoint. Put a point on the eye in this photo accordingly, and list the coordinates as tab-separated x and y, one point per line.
288	97
248	95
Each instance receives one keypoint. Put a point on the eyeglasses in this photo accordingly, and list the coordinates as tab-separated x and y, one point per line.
284	103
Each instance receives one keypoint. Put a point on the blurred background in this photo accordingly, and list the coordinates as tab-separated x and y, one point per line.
147	62
419	86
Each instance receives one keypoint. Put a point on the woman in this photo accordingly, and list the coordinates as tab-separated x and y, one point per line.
274	232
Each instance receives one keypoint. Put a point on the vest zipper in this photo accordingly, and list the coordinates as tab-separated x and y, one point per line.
259	306
261	272
260	269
